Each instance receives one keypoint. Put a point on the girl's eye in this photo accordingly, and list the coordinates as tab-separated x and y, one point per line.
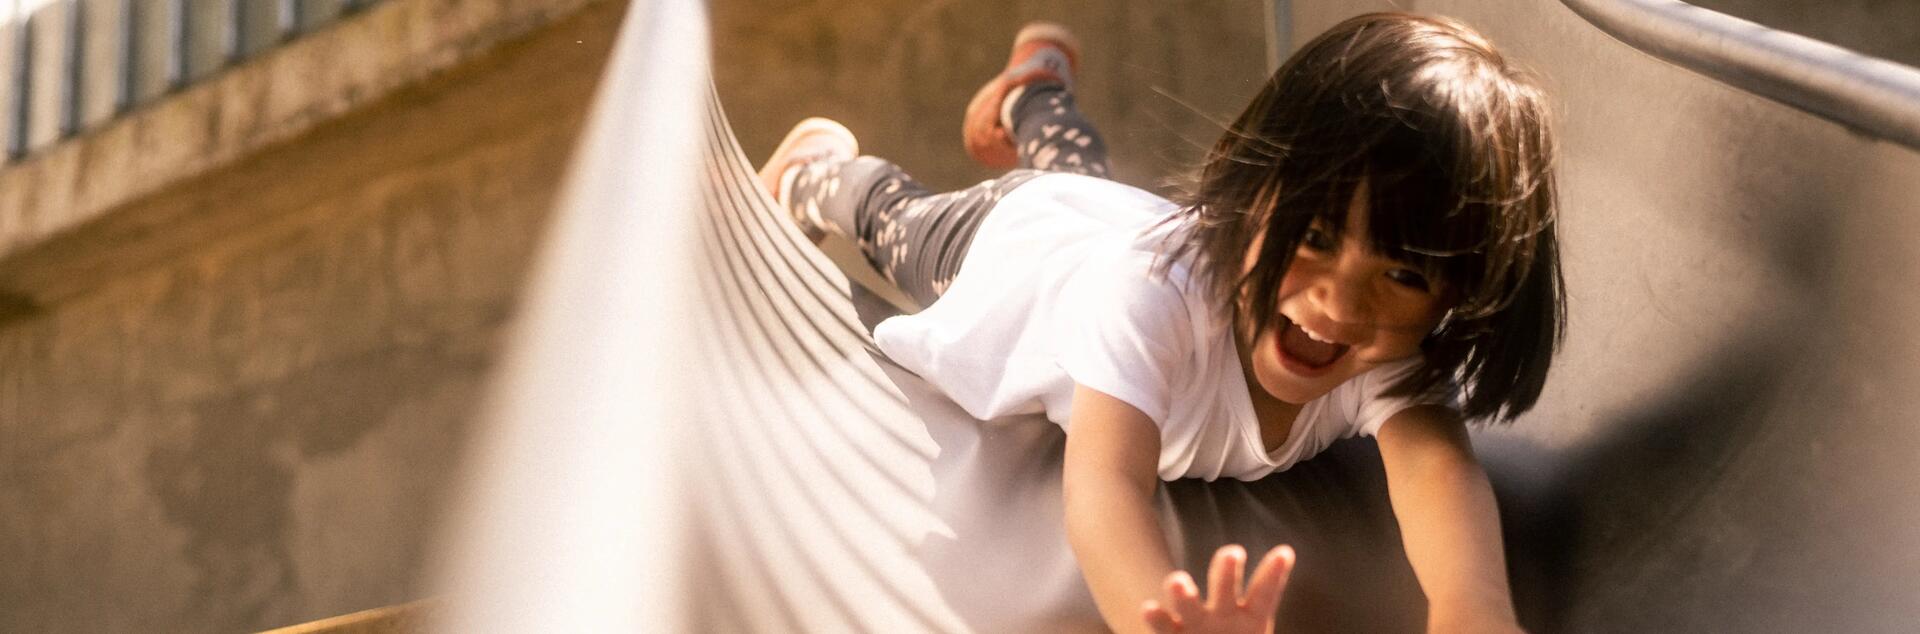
1317	240
1409	279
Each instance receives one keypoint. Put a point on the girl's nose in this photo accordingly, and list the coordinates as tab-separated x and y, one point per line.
1345	298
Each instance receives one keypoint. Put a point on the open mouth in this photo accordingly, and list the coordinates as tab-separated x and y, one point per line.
1304	354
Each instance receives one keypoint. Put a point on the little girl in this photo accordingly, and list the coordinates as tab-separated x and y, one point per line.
1368	250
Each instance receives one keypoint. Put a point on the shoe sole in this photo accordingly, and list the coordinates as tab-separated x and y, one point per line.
777	163
983	110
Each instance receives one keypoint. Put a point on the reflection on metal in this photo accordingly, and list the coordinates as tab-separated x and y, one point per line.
1872	96
97	59
688	432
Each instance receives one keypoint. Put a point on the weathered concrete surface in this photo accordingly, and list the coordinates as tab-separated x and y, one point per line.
1727	443
1158	78
254	423
1880	28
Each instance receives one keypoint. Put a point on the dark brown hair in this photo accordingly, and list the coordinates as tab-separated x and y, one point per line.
1453	145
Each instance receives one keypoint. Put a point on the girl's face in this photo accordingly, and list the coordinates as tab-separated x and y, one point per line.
1344	309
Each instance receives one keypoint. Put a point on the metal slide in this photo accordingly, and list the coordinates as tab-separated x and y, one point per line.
691	428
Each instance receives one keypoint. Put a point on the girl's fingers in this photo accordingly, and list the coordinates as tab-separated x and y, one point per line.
1270	580
1183	597
1157	617
1223	577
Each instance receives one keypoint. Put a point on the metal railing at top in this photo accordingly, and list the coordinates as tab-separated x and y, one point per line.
67	66
1872	96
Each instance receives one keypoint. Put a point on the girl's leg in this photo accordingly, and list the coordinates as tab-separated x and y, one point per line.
917	238
913	237
1050	134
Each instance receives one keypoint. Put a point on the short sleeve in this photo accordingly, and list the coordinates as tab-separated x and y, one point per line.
1124	332
1374	406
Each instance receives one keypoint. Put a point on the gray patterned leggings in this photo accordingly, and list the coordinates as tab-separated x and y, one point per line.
917	238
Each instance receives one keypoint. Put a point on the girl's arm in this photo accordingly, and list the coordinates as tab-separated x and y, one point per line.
1448	521
1109	477
1111	471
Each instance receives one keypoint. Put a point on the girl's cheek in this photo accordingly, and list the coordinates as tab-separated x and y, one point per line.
1291	282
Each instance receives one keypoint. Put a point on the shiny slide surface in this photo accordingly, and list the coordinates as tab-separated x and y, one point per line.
692	432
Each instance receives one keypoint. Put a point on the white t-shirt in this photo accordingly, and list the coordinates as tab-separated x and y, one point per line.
1056	289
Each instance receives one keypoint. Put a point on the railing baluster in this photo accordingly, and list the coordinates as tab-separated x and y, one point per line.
13	83
125	46
154	53
289	15
177	33
100	75
48	74
72	69
140	65
209	37
262	25
316	13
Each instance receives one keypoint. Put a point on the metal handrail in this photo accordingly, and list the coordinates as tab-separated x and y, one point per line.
1871	96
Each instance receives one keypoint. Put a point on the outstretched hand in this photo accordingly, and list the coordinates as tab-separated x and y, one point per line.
1230	609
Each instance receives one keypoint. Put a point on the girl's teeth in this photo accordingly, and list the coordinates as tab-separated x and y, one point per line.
1313	336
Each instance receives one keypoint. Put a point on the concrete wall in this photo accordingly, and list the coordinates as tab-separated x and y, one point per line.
1880	28
1727	443
1158	78
254	421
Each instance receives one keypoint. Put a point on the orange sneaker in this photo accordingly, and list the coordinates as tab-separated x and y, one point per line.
813	139
1043	51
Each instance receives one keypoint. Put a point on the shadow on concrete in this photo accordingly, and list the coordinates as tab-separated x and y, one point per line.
1621	529
16	307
